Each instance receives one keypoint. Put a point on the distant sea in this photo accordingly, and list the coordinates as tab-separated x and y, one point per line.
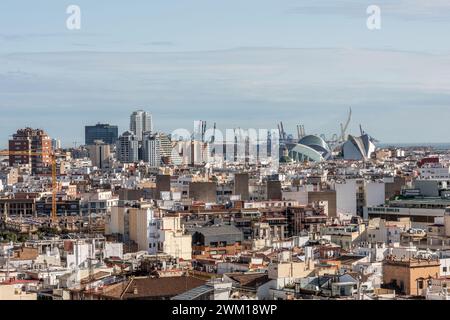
435	146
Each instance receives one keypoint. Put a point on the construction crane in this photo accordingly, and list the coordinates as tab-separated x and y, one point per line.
9	153
345	127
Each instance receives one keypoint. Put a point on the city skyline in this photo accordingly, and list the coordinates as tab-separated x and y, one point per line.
235	153
297	62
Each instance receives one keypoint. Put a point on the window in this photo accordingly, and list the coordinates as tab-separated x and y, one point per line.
444	269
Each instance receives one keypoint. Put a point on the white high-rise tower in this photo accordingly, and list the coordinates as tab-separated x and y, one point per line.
140	122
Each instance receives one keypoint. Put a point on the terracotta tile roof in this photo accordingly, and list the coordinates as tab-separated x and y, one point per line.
249	280
152	288
25	254
18	281
96	276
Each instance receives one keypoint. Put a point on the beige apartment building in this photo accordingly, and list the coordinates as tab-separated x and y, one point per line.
409	276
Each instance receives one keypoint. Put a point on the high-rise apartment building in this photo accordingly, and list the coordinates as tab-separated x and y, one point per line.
99	153
156	149
105	132
141	122
128	148
34	146
56	144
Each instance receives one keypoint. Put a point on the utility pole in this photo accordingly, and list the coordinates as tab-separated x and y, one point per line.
360	293
89	223
7	264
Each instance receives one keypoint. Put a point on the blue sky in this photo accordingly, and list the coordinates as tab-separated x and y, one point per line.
238	63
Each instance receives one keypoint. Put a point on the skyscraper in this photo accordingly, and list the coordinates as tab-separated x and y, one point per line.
156	149
140	122
27	141
128	148
105	132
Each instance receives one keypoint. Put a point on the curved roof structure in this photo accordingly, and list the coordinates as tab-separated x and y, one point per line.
358	148
317	143
302	153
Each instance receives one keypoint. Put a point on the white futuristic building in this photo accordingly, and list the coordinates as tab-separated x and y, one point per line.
358	148
309	148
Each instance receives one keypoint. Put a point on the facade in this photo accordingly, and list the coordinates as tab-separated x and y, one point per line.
131	224
217	240
141	122
9	176
345	236
327	197
162	185
167	236
346	197
389	232
409	276
70	207
104	132
128	148
241	186
100	153
191	152
274	190
422	211
156	149
156	235
27	141
434	171
352	195
203	191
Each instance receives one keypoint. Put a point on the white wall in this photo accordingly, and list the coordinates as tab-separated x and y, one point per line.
81	253
445	263
346	197
300	196
113	250
143	219
375	193
113	222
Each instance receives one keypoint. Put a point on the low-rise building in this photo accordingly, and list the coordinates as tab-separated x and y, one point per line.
409	276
